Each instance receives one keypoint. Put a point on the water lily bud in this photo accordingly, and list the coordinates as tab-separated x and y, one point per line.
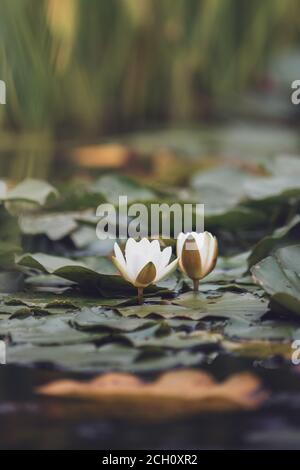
197	254
143	263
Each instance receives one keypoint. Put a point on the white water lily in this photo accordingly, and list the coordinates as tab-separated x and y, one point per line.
197	254
143	263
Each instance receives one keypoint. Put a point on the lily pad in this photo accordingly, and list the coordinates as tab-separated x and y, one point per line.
279	276
272	188
163	311
99	319
113	186
173	340
77	357
44	331
54	225
32	191
228	305
266	330
80	273
281	236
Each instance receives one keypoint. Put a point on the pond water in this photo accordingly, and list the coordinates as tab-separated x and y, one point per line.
32	422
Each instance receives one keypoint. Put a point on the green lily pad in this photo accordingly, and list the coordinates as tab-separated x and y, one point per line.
228	268
32	191
84	356
228	305
100	319
54	225
279	276
163	311
108	357
272	188
80	273
47	280
266	330
173	340
285	165
221	187
113	186
44	331
281	236
72	300
154	361
74	271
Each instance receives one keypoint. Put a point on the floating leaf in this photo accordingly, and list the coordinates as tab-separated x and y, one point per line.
173	394
266	330
281	236
99	319
228	305
113	186
258	348
279	276
32	191
154	359
80	273
163	311
272	188
55	226
174	340
76	356
243	217
44	331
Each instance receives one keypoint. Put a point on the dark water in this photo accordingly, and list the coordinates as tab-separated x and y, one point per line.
28	421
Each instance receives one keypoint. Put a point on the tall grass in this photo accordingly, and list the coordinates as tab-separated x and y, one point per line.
83	67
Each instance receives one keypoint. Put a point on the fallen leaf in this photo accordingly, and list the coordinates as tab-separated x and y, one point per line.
173	394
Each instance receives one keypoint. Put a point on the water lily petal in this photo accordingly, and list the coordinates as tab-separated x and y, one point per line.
191	259
201	241
137	256
122	270
119	255
167	270
212	254
165	257
146	276
180	241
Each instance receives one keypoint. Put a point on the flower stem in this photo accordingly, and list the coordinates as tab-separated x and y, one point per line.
140	295
196	284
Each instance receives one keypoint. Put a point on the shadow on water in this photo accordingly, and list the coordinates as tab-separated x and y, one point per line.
30	421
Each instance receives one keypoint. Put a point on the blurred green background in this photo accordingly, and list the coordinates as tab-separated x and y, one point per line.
83	69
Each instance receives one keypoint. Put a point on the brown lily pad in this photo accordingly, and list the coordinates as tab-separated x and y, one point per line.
173	394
